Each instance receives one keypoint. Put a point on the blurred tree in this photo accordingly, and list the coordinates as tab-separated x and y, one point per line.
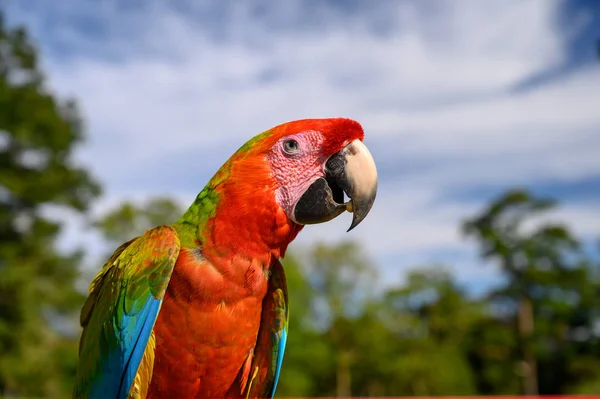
571	320
432	319
307	355
342	277
443	309
491	353
533	260
129	220
38	134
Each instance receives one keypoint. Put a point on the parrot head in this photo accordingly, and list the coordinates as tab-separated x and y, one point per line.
314	163
294	174
311	164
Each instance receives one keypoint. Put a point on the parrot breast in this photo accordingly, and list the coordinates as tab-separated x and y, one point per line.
207	326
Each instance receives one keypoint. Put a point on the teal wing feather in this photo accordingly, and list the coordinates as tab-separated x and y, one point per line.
272	337
120	311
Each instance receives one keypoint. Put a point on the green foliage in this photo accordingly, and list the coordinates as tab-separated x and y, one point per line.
432	318
130	220
304	363
548	283
38	133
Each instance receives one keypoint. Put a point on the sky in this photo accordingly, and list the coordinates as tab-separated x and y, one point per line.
459	101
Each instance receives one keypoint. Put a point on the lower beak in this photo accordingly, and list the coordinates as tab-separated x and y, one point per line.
352	171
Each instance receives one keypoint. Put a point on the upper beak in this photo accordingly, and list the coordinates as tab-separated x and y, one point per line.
352	171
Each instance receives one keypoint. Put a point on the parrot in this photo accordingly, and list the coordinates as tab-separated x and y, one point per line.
199	308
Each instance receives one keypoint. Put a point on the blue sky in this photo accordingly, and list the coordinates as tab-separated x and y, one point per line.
459	100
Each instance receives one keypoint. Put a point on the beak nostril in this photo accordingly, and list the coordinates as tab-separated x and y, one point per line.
353	150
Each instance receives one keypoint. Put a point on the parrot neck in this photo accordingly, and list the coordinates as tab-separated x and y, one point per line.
237	220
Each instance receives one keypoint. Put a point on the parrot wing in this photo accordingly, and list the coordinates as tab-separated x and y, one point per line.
272	336
120	311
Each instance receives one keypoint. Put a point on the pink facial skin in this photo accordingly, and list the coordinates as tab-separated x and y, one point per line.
295	168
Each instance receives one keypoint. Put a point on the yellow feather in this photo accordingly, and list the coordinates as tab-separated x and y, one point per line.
251	381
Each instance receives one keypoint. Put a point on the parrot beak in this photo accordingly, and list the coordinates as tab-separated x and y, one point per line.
352	171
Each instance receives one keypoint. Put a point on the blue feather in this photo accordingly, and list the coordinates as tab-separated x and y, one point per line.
121	363
280	352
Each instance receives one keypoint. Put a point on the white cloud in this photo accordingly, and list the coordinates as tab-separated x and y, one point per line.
437	88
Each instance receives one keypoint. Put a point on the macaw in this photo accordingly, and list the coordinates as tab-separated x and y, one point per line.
199	308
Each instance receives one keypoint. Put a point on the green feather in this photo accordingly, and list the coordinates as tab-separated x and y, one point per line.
193	224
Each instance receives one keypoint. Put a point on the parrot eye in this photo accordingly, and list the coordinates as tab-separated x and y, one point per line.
291	146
